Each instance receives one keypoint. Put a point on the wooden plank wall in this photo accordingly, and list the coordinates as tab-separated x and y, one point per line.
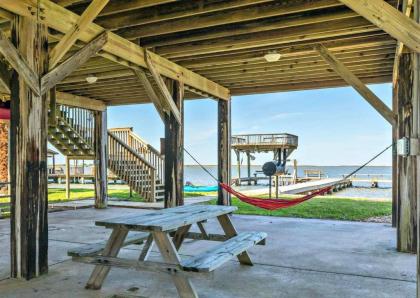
29	221
224	134
174	149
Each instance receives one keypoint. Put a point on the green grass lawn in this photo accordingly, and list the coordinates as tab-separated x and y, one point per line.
323	208
355	209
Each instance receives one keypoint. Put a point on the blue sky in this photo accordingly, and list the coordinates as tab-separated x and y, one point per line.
335	126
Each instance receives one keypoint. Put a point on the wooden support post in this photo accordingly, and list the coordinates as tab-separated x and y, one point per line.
238	165
248	155
407	92
174	149
28	161
394	159
224	135
68	177
101	159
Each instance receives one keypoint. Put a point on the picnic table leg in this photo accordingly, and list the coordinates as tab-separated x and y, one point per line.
111	249
203	231
230	232
170	255
146	248
179	236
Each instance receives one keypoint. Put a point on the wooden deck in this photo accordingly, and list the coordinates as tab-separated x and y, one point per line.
264	142
337	183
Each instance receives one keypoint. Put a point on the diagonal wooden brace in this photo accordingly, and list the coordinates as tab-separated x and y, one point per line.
74	62
150	91
15	59
168	101
70	38
357	84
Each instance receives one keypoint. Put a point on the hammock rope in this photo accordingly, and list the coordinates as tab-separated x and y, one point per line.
274	204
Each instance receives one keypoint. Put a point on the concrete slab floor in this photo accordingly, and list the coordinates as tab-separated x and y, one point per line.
302	258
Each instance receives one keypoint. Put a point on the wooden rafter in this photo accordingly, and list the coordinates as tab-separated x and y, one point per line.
167	100
71	64
357	84
389	19
150	91
15	59
77	29
117	49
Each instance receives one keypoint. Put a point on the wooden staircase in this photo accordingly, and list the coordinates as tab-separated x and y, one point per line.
130	158
72	131
137	163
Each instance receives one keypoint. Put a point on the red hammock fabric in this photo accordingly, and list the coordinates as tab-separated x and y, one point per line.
4	114
272	204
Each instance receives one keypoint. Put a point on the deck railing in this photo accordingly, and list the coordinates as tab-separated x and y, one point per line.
268	139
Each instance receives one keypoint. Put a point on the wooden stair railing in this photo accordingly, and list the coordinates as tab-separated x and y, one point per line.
130	166
72	130
130	158
141	147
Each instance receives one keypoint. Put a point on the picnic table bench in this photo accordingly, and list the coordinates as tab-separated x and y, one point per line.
168	228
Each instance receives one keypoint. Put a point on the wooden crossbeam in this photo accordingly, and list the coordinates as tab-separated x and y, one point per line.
80	101
77	29
117	49
150	91
15	59
168	101
356	83
389	19
74	62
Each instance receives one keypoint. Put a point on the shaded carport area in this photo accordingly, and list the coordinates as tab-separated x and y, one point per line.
164	52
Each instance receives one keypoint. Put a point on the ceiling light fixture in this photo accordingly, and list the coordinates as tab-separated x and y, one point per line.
91	79
272	56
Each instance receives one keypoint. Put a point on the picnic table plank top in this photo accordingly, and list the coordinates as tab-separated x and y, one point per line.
167	219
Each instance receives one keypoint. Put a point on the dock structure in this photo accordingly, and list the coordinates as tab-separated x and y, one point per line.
90	55
281	144
373	179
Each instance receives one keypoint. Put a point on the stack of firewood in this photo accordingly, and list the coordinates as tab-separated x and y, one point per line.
4	141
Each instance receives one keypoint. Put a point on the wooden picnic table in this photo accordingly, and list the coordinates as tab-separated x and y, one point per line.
168	228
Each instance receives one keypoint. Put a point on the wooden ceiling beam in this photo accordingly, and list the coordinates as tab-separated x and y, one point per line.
125	6
225	17
313	85
117	49
257	26
74	33
270	38
80	101
389	19
357	84
292	50
66	3
162	13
